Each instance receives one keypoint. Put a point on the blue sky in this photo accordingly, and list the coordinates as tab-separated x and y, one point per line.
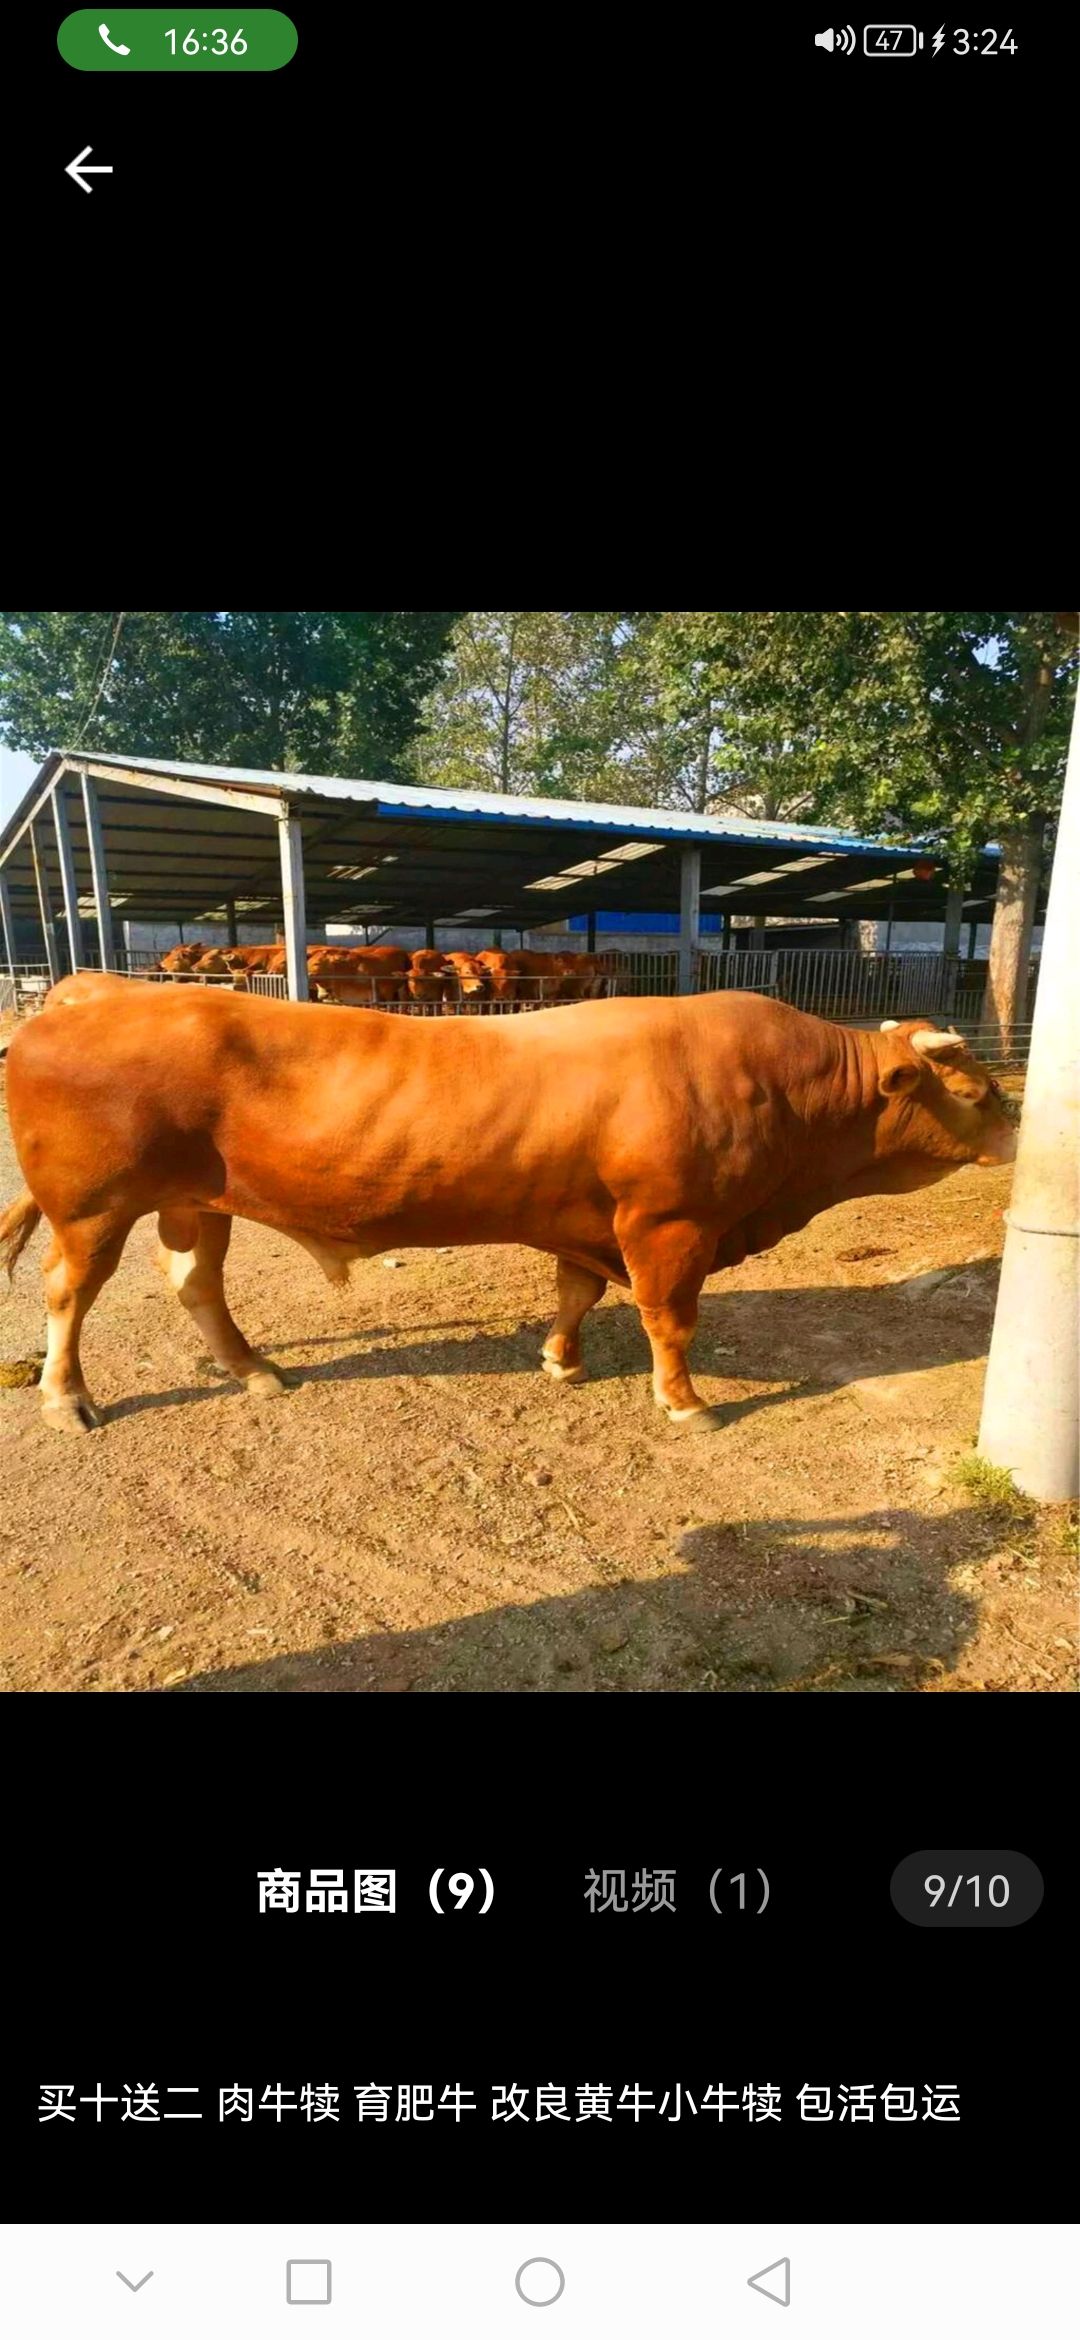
16	773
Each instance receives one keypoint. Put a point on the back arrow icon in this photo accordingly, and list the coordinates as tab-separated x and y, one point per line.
75	171
126	2278
780	2288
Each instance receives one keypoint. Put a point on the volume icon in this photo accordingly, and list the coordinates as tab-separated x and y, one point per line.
844	40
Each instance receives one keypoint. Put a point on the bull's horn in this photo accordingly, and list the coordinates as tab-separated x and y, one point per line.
937	1043
890	1024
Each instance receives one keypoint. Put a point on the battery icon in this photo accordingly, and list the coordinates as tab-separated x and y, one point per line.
891	40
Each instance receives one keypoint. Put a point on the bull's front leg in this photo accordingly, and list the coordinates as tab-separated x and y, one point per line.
579	1289
668	1261
192	1253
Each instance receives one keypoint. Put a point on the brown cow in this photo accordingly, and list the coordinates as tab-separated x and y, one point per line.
651	1142
521	976
472	981
580	975
360	976
430	977
180	960
252	957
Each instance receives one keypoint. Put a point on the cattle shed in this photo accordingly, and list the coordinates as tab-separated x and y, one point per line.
99	838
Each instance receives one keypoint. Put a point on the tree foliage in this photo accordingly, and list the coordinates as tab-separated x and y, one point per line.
336	691
952	724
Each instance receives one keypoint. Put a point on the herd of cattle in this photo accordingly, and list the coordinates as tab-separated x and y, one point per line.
379	974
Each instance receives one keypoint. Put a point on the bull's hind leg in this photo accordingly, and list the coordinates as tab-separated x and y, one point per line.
80	1259
579	1290
668	1262
192	1252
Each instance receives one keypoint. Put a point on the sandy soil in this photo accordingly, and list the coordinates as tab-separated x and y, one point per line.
426	1511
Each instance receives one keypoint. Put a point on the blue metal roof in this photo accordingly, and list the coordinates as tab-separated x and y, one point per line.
470	804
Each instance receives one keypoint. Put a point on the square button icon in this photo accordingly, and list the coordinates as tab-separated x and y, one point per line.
307	2282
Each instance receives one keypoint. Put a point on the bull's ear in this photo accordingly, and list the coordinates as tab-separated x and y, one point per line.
898	1079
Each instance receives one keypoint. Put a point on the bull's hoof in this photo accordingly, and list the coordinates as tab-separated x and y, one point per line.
70	1413
695	1417
263	1382
561	1372
706	1418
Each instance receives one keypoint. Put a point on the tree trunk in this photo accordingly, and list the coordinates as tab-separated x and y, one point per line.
504	744
701	784
1014	917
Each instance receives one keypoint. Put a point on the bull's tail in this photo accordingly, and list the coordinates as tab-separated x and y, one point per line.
17	1224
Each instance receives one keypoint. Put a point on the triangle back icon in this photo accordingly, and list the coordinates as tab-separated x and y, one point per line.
780	2287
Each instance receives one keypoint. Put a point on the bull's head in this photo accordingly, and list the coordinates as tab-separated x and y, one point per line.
943	1107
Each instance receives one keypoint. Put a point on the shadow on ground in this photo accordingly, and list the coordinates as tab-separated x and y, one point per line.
859	1603
818	1338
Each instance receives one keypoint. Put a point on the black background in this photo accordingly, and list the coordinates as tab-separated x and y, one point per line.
143	1957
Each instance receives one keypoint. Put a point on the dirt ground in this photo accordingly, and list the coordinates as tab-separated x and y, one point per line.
426	1511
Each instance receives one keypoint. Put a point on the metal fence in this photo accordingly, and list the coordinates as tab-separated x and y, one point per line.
841	984
846	985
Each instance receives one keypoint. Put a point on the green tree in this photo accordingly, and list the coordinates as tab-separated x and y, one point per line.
510	704
963	736
336	691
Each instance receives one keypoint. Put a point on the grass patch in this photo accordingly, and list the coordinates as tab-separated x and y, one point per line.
992	1488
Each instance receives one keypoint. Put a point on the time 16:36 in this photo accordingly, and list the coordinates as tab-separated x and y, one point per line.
218	40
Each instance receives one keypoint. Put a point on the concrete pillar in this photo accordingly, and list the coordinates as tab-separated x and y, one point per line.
76	947
52	952
230	913
92	810
291	842
7	924
689	913
1031	1403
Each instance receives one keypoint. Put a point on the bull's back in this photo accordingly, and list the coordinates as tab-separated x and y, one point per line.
336	1119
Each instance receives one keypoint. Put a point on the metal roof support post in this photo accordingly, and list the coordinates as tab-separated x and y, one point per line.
291	842
76	950
102	907
950	949
1031	1401
590	930
689	913
52	952
954	913
7	924
230	913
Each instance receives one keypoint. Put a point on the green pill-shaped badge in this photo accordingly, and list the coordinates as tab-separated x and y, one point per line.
169	40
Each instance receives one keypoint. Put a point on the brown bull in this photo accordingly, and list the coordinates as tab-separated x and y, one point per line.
521	976
360	976
650	1142
430	977
580	975
472	982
